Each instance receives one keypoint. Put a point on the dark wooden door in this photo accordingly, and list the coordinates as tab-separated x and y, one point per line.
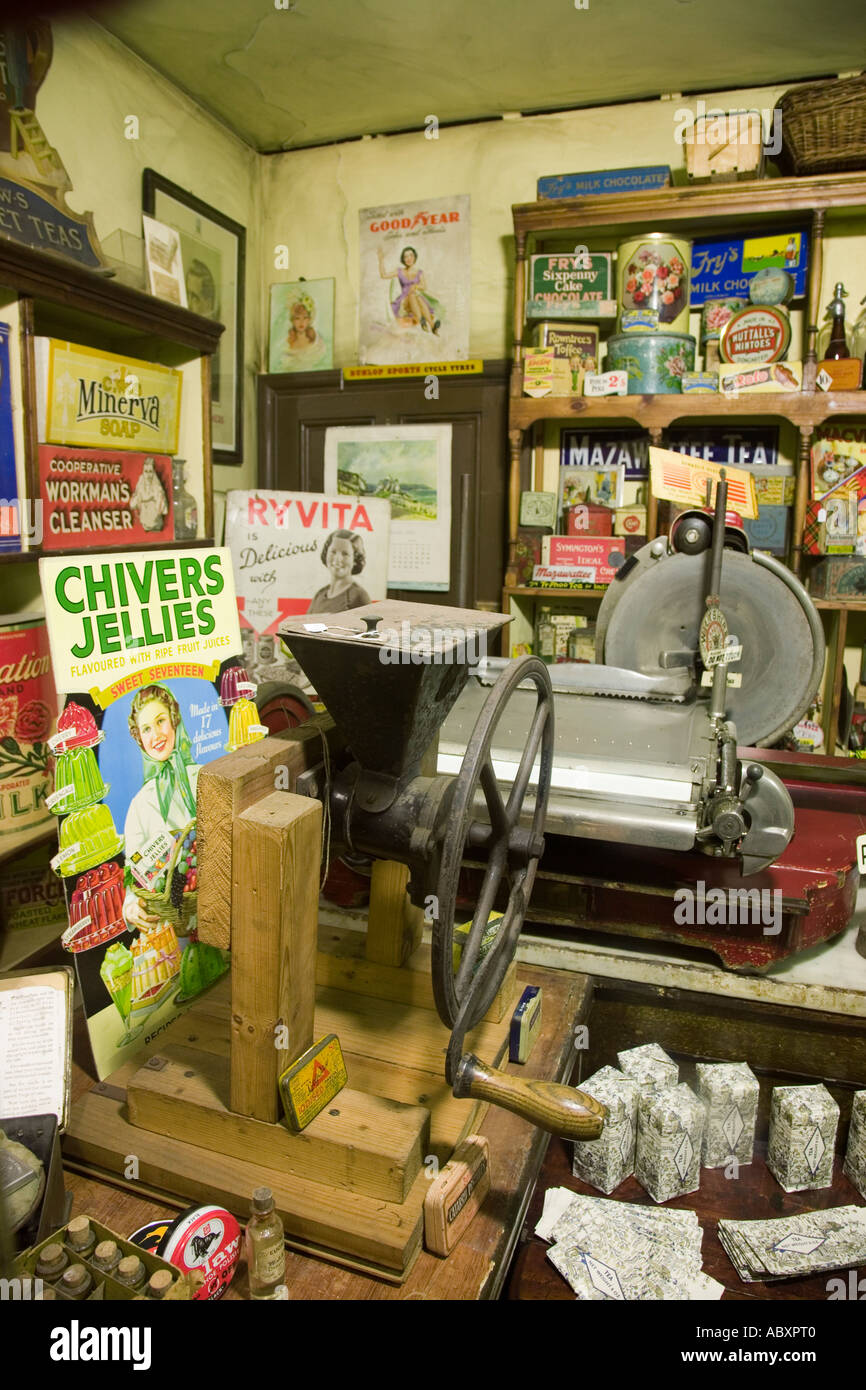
296	410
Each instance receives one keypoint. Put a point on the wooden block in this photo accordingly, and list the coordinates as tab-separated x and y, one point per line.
332	1220
450	1119
394	924
342	964
276	847
229	786
360	1143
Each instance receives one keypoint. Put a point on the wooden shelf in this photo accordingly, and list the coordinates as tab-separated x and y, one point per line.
730	203
531	591
841	605
803	408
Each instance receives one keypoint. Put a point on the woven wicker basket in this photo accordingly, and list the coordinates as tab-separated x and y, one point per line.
824	127
160	904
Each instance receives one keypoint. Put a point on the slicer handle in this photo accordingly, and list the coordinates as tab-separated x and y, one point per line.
557	1109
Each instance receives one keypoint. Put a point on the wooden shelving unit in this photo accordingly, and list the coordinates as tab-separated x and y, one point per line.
693	211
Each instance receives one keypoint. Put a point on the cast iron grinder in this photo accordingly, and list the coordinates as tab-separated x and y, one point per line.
389	673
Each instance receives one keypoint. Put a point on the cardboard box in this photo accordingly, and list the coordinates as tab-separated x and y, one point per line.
567	281
630	521
760	378
730	1092
670	1136
855	1155
546	375
607	1161
830	526
769	530
844	375
803	1124
595	560
837	461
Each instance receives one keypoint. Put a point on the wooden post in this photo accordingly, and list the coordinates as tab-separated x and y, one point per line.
276	852
652	502
813	301
803	485
394	924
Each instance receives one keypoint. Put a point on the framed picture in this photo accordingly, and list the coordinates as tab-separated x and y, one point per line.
302	326
212	249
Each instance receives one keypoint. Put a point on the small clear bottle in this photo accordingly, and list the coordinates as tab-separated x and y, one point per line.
185	507
106	1257
159	1284
545	635
52	1261
131	1272
81	1237
265	1247
75	1282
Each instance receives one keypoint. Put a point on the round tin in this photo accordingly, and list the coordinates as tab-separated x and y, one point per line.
206	1240
772	285
28	710
759	333
150	1236
653	272
715	313
655	362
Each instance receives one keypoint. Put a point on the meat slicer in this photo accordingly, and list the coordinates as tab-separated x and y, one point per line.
650	798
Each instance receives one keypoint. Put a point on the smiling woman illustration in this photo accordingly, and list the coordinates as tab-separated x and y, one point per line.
344	556
166	801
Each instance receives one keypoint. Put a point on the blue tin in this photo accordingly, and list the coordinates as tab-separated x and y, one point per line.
603	181
655	362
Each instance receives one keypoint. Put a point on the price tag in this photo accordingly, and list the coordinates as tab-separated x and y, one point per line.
861	853
823	380
63	855
59	795
735	679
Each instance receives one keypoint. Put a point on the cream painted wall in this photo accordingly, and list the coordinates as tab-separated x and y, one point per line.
93	84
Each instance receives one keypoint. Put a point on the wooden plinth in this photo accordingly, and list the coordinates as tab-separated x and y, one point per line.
352	1185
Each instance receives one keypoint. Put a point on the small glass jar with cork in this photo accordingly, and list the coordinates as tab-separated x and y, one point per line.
80	1237
75	1282
265	1248
106	1257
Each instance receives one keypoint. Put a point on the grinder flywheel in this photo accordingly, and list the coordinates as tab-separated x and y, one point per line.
409	663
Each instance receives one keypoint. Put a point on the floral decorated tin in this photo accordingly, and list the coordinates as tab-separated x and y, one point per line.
653	272
715	314
655	362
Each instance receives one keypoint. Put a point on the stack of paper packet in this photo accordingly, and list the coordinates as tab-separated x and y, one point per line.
787	1246
623	1252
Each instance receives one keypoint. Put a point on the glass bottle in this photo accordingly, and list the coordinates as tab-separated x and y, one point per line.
265	1247
131	1272
833	337
81	1237
52	1261
75	1282
185	506
545	635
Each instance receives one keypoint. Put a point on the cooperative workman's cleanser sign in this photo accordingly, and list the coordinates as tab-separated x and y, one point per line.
139	642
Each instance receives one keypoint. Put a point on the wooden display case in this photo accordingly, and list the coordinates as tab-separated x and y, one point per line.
825	205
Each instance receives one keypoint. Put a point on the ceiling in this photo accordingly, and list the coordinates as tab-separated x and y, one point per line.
323	70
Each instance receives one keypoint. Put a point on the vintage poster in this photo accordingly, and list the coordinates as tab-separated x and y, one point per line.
410	466
139	643
414	282
302	326
86	397
300	552
93	498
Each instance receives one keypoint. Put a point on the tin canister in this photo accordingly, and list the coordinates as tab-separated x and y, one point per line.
714	315
28	710
655	362
653	273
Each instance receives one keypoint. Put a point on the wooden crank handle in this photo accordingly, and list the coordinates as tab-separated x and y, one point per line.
558	1109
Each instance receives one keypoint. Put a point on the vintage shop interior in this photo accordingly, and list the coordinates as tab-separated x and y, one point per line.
433	686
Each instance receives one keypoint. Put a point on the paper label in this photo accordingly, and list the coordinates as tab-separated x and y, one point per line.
861	853
814	1149
823	380
60	794
63	736
735	679
149	862
64	854
605	384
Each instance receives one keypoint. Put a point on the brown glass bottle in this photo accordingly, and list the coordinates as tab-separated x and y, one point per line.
837	347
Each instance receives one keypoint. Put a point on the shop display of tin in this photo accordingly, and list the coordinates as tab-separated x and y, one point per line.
28	708
650	1066
714	315
607	1161
803	1123
655	362
855	1155
653	272
758	333
772	285
670	1136
730	1092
